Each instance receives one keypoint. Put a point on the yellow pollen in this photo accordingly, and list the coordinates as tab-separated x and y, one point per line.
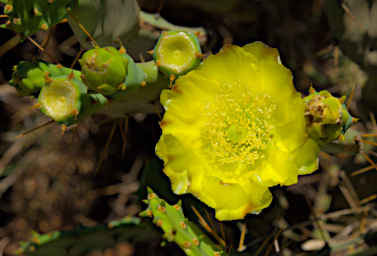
238	127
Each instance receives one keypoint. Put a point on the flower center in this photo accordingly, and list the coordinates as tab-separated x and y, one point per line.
238	128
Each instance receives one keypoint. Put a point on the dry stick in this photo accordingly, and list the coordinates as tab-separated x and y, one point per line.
11	43
264	244
348	103
124	131
372	163
348	183
207	227
105	150
348	11
42	50
369	135
35	128
47	38
92	41
275	243
241	245
317	221
76	58
362	170
211	222
368	199
368	142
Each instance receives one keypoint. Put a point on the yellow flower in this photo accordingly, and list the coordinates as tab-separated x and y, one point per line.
234	127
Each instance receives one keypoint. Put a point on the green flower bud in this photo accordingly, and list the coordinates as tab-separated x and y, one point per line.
327	118
176	52
104	70
28	78
61	98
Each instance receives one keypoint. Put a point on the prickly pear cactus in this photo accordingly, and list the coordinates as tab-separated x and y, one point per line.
327	118
177	228
27	17
83	240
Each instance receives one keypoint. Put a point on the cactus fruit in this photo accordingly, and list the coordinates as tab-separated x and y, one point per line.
61	98
327	118
27	17
104	70
29	78
177	52
177	228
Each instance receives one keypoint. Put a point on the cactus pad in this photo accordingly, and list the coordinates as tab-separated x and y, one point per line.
177	228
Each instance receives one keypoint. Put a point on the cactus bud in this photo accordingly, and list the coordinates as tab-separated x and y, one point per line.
60	98
104	69
327	118
29	78
176	53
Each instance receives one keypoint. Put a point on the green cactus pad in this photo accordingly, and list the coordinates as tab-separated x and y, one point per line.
177	228
61	98
177	52
104	70
27	17
327	118
83	240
